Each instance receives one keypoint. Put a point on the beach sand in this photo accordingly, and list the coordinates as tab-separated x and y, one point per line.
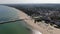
39	27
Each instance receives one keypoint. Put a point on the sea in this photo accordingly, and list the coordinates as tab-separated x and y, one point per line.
16	27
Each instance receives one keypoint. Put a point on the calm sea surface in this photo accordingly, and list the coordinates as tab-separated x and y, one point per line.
18	27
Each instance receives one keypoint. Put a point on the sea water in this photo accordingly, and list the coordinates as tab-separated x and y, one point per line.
9	14
17	27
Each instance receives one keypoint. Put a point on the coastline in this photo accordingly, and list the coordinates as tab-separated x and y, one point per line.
30	22
41	28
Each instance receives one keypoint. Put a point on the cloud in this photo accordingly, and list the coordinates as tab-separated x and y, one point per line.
28	1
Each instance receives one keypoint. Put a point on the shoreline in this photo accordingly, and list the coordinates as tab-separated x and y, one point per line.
31	23
41	28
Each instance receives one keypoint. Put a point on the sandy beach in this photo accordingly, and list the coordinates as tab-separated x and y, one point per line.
38	26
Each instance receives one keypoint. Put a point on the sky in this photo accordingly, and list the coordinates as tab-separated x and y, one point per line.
28	1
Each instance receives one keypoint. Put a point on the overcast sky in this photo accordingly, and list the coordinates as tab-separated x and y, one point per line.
28	1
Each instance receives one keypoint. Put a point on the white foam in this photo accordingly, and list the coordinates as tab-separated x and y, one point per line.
36	32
